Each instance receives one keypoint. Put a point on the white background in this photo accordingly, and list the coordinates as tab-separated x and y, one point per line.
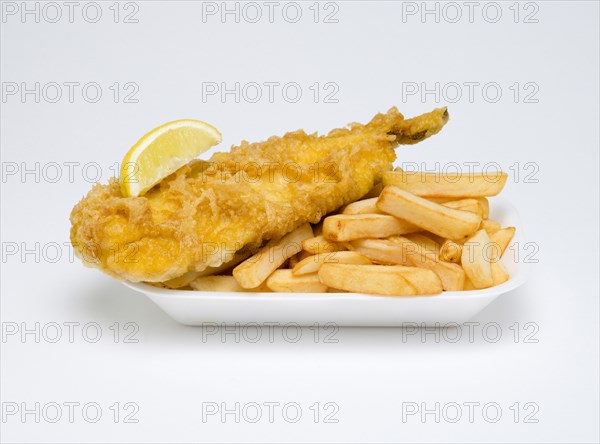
371	54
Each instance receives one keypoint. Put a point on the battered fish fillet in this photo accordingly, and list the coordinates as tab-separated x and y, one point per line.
202	214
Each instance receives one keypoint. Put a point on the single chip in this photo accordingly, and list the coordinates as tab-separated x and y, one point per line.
499	273
485	206
283	281
451	275
470	205
388	280
447	185
254	270
502	238
425	242
318	244
346	227
221	283
312	263
476	260
380	251
491	226
366	206
451	251
443	221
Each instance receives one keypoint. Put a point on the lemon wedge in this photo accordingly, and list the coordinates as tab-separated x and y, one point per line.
162	151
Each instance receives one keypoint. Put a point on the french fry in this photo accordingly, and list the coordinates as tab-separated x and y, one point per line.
475	262
434	237
393	280
425	281
285	281
424	242
502	238
483	201
380	251
318	244
221	283
348	227
255	270
366	206
485	206
412	234
470	205
312	263
448	185
451	251
491	226
499	273
451	275
440	220
465	204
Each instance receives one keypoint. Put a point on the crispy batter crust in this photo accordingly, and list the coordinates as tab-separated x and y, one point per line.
200	215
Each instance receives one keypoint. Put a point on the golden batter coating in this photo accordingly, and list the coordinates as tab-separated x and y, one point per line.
207	210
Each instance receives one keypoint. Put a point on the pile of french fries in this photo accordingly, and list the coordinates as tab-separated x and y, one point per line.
416	234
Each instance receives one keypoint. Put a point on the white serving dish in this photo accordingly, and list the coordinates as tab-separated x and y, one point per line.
343	309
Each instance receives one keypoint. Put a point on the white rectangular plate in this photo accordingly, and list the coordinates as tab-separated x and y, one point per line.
343	309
